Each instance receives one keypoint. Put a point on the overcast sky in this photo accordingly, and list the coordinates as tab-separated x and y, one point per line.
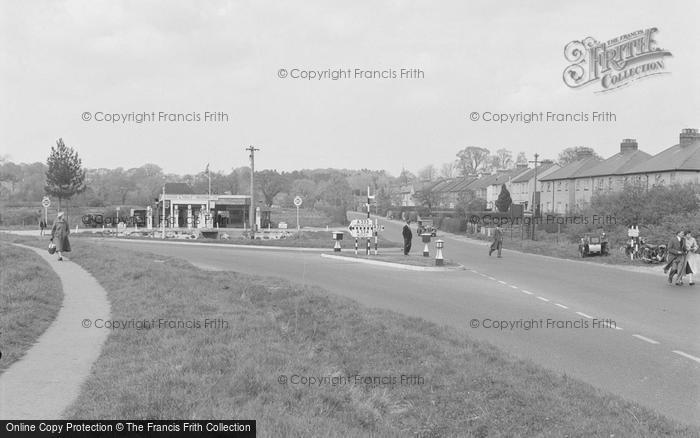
59	59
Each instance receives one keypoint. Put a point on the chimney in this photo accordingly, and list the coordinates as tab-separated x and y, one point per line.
628	145
689	136
584	153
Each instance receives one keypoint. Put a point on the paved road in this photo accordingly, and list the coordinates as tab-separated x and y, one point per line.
652	358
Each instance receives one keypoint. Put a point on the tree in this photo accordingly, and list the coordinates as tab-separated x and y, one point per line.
449	170
504	200
270	183
65	176
471	159
569	155
502	159
428	173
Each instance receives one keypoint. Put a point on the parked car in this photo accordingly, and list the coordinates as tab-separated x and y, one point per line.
593	244
426	226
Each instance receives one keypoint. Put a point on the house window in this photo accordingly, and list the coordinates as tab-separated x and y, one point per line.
610	183
578	184
558	186
585	184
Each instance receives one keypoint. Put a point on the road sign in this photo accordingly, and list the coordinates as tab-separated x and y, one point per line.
46	202
361	228
297	201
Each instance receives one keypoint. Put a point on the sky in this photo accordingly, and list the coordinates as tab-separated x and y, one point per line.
66	66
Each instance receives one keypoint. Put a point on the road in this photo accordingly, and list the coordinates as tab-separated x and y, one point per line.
653	357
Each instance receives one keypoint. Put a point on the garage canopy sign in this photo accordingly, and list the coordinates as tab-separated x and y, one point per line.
614	63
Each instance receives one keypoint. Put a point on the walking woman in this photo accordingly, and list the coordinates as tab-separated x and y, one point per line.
690	264
59	235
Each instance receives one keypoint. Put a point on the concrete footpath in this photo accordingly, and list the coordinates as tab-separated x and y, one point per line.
43	383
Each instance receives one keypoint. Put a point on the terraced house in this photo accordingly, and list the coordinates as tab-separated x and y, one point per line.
574	185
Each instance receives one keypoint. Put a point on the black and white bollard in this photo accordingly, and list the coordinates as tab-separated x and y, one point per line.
426	239
337	236
439	261
355	245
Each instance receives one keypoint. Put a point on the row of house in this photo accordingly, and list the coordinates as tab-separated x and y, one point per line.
564	189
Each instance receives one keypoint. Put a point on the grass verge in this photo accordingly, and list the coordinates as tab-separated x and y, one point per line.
304	239
399	258
30	297
278	330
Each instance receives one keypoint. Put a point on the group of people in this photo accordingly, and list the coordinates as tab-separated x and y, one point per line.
59	234
683	258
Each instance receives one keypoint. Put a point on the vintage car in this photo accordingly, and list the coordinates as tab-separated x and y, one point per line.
593	244
426	226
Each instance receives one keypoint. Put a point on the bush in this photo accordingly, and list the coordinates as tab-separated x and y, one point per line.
453	225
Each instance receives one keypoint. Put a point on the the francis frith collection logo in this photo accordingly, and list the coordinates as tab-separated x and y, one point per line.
614	63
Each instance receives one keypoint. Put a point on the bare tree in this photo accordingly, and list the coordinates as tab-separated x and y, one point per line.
472	159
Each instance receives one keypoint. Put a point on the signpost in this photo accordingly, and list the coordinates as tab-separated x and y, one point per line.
46	202
297	204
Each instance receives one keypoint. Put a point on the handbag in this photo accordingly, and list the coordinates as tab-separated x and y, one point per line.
52	248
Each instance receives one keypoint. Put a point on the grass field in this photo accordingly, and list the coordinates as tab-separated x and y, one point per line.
30	297
277	330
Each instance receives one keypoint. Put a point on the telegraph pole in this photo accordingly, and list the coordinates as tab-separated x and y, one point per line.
251	217
535	204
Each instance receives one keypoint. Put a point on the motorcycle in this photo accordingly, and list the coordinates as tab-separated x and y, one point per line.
653	253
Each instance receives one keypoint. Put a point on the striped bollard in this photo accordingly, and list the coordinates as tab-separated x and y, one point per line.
439	261
426	239
337	236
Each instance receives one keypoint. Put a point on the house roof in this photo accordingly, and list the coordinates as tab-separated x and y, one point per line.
178	189
572	170
525	177
504	177
483	182
616	164
674	158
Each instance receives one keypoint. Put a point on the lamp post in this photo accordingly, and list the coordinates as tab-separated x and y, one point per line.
162	220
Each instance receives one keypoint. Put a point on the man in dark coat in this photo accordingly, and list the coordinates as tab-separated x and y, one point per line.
407	237
675	252
497	241
59	235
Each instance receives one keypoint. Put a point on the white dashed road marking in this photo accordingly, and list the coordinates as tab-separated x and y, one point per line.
640	337
645	339
696	359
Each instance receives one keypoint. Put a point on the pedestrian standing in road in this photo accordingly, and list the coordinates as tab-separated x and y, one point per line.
59	235
690	264
407	237
42	226
497	243
676	249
